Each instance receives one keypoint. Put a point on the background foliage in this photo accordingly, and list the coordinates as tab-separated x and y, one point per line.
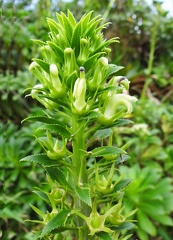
146	34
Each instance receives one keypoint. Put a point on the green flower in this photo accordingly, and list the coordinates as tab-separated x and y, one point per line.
115	106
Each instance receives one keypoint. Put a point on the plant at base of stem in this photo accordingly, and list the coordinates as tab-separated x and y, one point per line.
73	87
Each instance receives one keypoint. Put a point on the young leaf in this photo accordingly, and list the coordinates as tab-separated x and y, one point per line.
57	50
125	226
84	194
56	222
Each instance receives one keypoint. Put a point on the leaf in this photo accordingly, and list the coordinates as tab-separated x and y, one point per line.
41	119
164	219
56	222
88	64
44	65
113	69
145	223
125	226
122	122
84	194
41	159
122	184
101	134
104	236
57	129
106	150
54	27
57	50
39	42
151	152
91	114
57	175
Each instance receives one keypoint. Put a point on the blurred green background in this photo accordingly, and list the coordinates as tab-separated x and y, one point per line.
146	52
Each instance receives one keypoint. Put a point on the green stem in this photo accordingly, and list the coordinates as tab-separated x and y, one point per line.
80	164
151	60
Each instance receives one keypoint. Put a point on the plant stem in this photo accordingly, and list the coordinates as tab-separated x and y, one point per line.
151	59
79	162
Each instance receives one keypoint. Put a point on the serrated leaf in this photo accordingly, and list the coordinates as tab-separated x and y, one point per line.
101	134
104	236
105	151
44	65
41	159
122	184
122	122
57	175
56	222
41	119
84	194
56	128
92	114
125	226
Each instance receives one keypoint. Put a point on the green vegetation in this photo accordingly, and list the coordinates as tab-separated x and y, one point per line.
144	50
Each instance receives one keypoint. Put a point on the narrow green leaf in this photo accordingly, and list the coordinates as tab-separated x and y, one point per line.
44	65
41	159
105	151
91	114
88	64
145	223
71	19
164	219
122	184
56	128
41	119
57	50
57	175
54	27
39	42
56	222
84	194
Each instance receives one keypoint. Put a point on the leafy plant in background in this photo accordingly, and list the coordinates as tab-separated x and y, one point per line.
153	196
84	198
14	177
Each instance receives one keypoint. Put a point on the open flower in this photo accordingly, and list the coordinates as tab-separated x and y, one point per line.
115	107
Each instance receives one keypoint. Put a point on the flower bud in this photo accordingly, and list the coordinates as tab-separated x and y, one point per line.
56	90
34	68
84	51
57	152
99	74
70	62
79	92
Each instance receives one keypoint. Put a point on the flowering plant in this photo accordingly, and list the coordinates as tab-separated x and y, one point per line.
84	100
